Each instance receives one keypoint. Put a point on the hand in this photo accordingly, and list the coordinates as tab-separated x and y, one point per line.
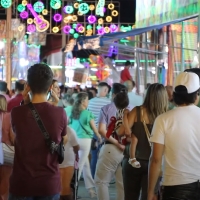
100	140
127	131
151	196
121	146
77	157
55	98
25	94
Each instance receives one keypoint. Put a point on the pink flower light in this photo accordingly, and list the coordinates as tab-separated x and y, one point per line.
57	17
66	29
24	15
31	28
92	19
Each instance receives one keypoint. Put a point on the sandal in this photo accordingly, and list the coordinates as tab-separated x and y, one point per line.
134	163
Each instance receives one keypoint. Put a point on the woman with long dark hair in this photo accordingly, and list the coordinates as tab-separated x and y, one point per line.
82	121
137	153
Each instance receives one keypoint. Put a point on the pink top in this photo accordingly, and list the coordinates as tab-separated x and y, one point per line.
6	128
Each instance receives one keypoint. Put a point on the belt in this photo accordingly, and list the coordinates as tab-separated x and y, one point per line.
107	142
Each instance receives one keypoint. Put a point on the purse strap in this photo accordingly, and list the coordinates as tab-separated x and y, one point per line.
83	127
51	144
146	128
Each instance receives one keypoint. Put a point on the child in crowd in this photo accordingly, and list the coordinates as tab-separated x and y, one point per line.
121	102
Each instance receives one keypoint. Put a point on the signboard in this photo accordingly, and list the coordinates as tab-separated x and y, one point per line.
151	12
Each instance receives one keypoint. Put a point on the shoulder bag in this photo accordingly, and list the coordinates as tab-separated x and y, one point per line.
146	128
53	147
94	142
7	152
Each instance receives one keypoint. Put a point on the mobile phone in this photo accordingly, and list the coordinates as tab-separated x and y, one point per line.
30	95
49	95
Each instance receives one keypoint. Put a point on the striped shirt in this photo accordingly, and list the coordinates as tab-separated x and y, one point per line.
95	105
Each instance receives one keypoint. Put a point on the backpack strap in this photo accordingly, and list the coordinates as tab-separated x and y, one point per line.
138	114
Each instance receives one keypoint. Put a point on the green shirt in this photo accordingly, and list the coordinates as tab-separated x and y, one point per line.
82	125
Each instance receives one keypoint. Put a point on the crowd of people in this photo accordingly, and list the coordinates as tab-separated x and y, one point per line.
147	144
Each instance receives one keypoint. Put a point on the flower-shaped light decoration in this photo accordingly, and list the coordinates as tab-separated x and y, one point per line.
92	19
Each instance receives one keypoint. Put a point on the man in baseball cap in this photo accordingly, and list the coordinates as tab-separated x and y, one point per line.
176	135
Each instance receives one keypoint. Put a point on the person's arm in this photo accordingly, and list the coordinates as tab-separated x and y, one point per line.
154	168
125	123
131	118
103	130
95	130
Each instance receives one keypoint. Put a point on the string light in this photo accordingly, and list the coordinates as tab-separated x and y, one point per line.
57	17
21	8
68	9
76	5
74	18
38	6
92	19
72	31
101	31
106	29
83	8
24	15
66	20
55	4
77	26
81	29
6	3
45	12
109	19
91	7
66	29
76	35
89	31
20	28
55	29
114	13
113	28
29	21
24	2
111	6
31	28
100	21
89	27
80	13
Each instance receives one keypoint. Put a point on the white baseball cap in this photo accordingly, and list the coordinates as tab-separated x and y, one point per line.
188	79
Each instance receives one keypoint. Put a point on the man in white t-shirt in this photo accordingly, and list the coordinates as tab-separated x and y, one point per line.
134	99
175	137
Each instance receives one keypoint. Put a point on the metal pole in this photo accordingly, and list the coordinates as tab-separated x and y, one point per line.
182	46
63	53
8	47
198	43
146	61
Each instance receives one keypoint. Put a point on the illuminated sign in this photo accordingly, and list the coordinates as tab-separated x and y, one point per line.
100	8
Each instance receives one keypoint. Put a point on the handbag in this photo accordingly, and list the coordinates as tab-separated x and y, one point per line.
53	147
7	152
94	142
146	129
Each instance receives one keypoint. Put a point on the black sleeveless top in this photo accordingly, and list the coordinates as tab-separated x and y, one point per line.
143	149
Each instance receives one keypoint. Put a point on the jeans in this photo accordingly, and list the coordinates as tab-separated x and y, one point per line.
134	180
84	165
93	162
108	165
189	191
52	197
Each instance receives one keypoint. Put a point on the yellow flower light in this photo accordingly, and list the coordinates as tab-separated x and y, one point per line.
66	20
115	13
45	12
24	2
20	28
109	19
111	6
55	29
92	7
81	29
80	13
29	21
100	21
76	5
74	18
106	29
89	31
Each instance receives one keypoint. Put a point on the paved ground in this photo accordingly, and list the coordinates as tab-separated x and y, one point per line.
82	192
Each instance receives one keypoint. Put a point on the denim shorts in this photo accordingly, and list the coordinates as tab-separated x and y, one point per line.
52	197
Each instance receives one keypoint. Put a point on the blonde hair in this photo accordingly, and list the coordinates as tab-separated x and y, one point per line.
156	101
3	103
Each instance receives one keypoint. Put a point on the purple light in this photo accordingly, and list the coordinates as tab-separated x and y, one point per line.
24	15
57	17
80	29
101	31
113	28
104	9
66	29
92	19
31	28
77	27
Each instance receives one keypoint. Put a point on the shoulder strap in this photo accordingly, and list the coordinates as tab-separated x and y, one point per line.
52	145
146	128
83	127
39	121
138	114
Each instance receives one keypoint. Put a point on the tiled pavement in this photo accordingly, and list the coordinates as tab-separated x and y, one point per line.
82	192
